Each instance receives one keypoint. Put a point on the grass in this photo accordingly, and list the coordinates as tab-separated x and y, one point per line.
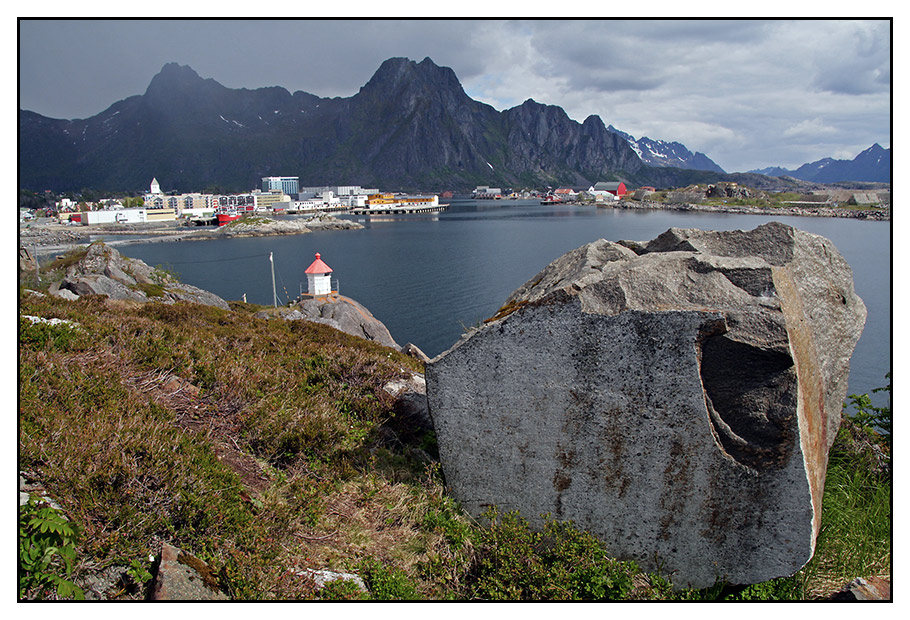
137	464
268	447
250	220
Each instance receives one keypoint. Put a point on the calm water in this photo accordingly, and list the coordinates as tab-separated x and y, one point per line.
427	277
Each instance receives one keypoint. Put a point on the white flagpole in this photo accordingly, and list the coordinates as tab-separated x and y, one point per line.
274	294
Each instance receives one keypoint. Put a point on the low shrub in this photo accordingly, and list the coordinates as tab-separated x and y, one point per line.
47	553
560	562
387	583
44	335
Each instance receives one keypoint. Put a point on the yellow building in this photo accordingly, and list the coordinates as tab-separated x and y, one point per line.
160	215
381	199
265	200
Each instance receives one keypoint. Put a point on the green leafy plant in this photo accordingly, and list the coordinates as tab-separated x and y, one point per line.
46	549
341	590
874	420
137	572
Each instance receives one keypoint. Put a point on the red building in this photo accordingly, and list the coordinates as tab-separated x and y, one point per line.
617	188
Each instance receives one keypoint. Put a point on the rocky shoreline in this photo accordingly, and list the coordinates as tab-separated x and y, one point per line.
49	238
265	227
878	214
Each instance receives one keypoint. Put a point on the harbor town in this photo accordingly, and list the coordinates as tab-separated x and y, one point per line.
278	195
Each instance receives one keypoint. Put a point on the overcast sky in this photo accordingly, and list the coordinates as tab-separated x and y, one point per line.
748	94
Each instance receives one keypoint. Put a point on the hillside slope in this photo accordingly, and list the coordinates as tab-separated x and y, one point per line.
268	447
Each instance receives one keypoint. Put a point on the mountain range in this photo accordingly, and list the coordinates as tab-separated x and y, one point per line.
667	154
872	165
411	127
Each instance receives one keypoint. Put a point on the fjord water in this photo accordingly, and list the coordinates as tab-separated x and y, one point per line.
429	277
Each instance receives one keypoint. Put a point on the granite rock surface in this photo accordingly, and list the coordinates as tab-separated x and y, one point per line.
104	271
677	398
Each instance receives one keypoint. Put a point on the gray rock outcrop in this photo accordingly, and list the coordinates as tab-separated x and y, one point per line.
344	314
676	398
261	226
104	271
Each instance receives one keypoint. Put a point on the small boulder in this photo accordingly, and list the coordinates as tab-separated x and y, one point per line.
868	589
414	351
411	400
184	577
323	577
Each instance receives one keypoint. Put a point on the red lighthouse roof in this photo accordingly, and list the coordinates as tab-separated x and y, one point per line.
318	266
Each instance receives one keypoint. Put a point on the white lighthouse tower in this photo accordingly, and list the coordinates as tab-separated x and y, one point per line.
318	278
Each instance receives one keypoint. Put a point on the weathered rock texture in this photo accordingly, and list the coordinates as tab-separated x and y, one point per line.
184	577
104	271
344	314
677	398
871	589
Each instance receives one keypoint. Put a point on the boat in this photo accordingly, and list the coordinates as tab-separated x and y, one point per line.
227	215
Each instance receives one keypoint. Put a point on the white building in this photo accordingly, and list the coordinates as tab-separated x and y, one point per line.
324	201
337	190
485	191
286	185
114	216
155	187
354	201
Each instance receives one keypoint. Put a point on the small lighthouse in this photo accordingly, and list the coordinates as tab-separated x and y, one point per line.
318	278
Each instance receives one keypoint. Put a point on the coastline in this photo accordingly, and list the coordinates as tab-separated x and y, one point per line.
49	238
52	238
876	214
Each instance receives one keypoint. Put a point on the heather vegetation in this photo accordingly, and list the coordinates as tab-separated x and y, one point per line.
268	447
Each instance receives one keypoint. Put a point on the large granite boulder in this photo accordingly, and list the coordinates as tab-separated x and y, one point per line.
104	271
676	398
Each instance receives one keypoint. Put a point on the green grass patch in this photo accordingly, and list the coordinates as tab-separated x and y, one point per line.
150	289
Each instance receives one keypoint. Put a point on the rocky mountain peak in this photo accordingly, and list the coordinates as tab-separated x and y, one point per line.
396	74
173	75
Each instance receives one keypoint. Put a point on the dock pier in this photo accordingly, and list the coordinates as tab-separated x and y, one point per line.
397	210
